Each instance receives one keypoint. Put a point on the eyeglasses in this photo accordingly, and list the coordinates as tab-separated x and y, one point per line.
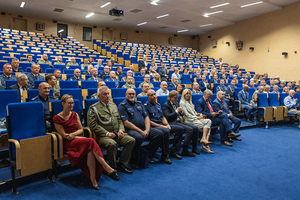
71	103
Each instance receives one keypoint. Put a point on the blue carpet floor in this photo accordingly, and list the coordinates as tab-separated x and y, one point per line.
264	165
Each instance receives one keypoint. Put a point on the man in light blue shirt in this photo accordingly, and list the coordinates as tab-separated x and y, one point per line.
291	103
163	91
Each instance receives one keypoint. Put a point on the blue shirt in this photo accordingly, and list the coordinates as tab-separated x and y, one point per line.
32	78
133	112
74	78
154	112
289	102
3	79
45	104
160	92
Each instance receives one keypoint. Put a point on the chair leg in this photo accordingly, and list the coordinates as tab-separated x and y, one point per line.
13	180
50	175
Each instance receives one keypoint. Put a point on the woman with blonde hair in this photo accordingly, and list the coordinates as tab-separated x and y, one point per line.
81	151
196	119
267	89
156	78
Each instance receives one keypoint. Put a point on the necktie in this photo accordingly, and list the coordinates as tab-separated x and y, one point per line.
24	88
211	110
223	104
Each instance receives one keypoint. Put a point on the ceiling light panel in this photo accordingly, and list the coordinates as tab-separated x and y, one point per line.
205	25
252	4
89	15
166	15
216	6
141	24
105	4
182	31
207	14
22	4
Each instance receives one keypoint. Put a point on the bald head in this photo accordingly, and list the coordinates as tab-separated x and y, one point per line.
220	95
164	85
44	90
130	95
77	73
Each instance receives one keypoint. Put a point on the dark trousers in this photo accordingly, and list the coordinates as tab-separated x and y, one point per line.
165	140
237	123
217	121
191	133
177	131
155	137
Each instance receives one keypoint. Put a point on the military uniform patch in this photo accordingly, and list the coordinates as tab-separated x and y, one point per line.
91	111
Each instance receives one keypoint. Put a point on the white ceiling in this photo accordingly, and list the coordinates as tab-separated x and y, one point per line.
178	10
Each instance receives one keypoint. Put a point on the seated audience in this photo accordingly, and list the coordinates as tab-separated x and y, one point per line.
282	84
81	151
73	62
112	60
129	83
137	124
275	89
163	91
89	70
15	65
51	80
297	89
131	67
99	84
254	96
129	73
163	72
292	104
174	114
94	77
142	72
179	88
99	64
152	69
45	60
34	75
176	73
21	85
29	59
57	74
59	61
158	121
76	76
145	90
285	90
174	82
7	75
243	97
110	131
195	88
230	92
119	71
105	72
91	60
85	63
156	78
191	117
203	84
146	80
112	77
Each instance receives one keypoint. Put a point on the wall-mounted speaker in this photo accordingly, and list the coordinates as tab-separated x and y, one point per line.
54	21
137	31
94	26
209	36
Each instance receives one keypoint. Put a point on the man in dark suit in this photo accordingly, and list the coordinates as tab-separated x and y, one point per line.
174	82
143	64
173	113
243	97
203	84
204	106
105	72
220	104
21	85
163	72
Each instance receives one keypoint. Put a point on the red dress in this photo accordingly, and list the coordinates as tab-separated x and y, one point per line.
77	149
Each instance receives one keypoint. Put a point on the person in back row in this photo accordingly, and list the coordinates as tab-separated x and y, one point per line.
34	75
76	76
7	75
21	85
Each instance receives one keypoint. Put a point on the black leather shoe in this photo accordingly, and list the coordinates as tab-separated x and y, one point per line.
114	175
230	140
249	120
226	143
237	139
95	187
232	134
152	161
166	160
122	168
175	155
196	151
185	152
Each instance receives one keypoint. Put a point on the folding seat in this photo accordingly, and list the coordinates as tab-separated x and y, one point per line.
118	100
118	92
265	111
76	93
69	71
277	109
186	79
37	83
87	104
142	99
9	83
110	84
90	92
196	97
30	147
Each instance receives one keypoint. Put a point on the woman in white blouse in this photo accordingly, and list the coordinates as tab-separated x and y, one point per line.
192	117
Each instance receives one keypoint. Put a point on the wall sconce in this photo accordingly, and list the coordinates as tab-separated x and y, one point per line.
285	54
251	48
228	43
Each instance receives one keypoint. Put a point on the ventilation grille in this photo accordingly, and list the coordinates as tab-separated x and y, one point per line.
117	19
163	27
186	20
136	10
58	10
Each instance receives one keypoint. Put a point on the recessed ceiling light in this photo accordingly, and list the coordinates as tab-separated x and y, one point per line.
22	4
141	24
154	2
105	4
182	31
62	30
166	15
207	14
251	4
89	15
224	4
205	25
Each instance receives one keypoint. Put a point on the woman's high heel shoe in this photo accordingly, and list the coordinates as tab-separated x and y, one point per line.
207	149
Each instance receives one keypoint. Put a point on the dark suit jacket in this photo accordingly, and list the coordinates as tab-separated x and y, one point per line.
169	112
171	85
16	86
201	107
142	64
202	86
217	105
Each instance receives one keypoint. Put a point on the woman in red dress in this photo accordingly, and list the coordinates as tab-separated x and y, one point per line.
81	151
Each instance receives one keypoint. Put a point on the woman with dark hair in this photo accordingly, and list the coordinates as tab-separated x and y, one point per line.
81	151
179	88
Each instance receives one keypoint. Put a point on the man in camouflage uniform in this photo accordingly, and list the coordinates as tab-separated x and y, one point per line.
59	61
51	80
104	120
45	60
73	62
129	83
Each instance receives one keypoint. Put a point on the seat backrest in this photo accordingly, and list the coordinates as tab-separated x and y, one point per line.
118	92
186	79
262	100
6	97
68	84
142	99
91	91
196	97
31	93
56	107
162	99
118	100
282	96
37	83
88	84
10	82
274	99
88	103
26	120
110	84
213	97
156	84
